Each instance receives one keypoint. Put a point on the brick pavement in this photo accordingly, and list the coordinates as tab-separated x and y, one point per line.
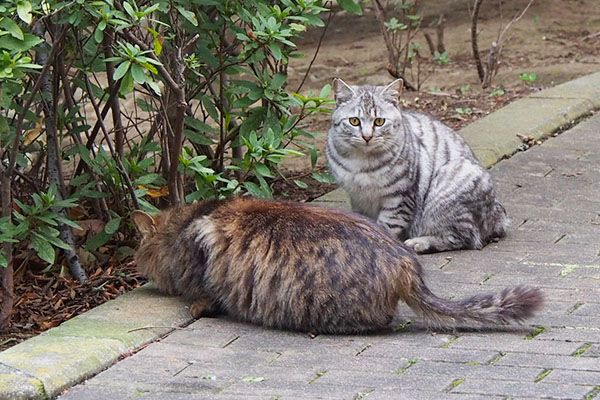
551	192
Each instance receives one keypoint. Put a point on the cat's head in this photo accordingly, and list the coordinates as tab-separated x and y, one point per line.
366	116
152	255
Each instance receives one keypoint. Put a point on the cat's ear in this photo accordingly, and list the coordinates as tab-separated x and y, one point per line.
395	88
343	91
143	222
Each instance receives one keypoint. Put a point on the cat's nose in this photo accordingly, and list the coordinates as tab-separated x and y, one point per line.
367	138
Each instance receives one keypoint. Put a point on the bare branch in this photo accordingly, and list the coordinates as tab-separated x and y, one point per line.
53	159
329	18
393	52
474	45
515	19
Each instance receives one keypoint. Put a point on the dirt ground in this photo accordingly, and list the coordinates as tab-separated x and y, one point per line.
555	39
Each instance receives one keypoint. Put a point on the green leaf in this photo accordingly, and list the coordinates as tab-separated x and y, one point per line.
190	16
263	170
255	190
351	6
44	250
24	11
17	45
154	86
198	138
301	184
150	9
98	35
129	10
98	240
12	28
3	261
138	74
243	102
126	84
93	194
147	179
275	50
278	81
323	178
47	219
325	91
157	46
68	222
56	242
66	203
199	125
121	69
206	55
298	27
112	226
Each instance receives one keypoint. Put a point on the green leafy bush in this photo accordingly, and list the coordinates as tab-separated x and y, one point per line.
108	106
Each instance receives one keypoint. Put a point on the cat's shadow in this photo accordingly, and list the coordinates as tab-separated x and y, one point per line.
397	329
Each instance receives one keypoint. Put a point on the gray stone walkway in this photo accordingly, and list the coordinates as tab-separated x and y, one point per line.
552	193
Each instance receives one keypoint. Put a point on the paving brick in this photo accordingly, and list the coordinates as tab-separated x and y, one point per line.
550	362
473	370
515	344
384	381
429	353
83	392
211	355
327	361
588	378
582	334
517	389
425	394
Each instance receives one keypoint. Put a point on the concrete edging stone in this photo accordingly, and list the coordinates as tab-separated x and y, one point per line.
43	366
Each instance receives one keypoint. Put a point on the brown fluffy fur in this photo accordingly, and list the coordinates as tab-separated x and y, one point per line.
301	267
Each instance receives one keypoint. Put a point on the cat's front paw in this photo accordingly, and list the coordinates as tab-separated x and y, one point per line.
197	310
418	244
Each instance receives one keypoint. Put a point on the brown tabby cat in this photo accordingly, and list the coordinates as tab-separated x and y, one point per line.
300	267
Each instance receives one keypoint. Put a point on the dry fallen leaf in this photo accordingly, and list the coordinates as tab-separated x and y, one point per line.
163	192
93	226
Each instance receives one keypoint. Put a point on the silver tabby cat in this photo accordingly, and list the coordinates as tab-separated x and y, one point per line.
409	172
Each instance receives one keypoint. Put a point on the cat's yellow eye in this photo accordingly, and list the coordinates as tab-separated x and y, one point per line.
354	121
379	121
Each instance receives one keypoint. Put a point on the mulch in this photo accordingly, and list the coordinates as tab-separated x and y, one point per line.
44	300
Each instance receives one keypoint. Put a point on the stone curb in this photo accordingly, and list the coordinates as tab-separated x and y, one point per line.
538	115
42	367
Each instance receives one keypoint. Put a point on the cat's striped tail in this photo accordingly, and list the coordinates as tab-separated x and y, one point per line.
514	304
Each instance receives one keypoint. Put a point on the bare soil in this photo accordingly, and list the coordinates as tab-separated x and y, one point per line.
555	39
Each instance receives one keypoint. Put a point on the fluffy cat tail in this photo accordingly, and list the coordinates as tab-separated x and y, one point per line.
514	304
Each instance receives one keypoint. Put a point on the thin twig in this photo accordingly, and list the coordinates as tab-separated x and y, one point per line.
12	158
161	327
515	19
590	36
329	18
115	156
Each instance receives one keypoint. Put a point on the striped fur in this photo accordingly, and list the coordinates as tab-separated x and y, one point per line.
413	175
300	267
